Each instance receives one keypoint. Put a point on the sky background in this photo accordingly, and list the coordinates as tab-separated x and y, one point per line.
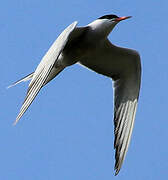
67	133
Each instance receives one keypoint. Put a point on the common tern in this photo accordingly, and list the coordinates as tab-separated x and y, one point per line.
89	46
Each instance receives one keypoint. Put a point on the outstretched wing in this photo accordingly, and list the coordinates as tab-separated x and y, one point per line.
124	67
126	90
44	68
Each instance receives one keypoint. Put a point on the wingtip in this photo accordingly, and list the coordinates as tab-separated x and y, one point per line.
117	168
117	171
17	119
15	122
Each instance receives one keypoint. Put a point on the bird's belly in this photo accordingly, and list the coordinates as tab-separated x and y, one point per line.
72	56
65	60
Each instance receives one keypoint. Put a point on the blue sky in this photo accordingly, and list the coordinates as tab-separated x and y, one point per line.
67	133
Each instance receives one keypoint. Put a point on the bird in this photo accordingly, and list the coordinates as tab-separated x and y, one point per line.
90	47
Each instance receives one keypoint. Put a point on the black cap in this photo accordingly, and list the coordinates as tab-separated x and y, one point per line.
110	16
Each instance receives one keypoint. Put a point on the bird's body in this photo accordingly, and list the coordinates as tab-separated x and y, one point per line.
90	47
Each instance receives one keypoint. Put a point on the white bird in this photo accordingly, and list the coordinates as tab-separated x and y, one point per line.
90	47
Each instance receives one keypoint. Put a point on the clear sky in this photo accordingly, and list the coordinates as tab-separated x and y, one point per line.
67	133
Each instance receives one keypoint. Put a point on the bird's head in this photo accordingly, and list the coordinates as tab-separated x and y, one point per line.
105	24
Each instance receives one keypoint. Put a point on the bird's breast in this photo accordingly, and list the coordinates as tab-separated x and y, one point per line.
75	52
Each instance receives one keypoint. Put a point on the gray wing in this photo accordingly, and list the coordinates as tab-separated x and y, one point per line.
124	67
44	68
126	92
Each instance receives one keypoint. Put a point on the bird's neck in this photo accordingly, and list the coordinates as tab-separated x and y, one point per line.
100	28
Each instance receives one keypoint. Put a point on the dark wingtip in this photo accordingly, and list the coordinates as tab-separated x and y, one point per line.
116	172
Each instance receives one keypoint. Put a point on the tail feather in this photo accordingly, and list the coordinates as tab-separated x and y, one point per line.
40	79
26	78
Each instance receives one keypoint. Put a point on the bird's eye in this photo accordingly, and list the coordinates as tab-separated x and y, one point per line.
113	19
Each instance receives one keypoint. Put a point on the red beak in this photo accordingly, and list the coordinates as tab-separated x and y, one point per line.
122	18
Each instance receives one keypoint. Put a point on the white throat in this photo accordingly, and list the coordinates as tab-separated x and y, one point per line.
102	27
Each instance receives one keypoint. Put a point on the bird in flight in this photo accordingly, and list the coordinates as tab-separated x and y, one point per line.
89	46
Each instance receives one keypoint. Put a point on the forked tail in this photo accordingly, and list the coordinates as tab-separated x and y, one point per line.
26	78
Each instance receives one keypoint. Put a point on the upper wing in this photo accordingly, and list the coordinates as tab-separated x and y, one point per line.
44	68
